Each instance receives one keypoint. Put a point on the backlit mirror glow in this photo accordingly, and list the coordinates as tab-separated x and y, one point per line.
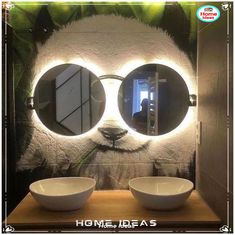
153	99
69	99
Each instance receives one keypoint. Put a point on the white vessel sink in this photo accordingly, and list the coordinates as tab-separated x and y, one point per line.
62	194
161	193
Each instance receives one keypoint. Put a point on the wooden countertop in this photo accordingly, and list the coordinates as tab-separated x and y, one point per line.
113	205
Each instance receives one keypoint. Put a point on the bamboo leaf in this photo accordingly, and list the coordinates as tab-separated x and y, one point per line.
23	44
153	12
137	10
125	10
62	14
23	15
105	9
86	158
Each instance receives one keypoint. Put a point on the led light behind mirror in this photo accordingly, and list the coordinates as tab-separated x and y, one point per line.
153	99
69	99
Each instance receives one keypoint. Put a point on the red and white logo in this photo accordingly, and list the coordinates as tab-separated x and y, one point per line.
208	13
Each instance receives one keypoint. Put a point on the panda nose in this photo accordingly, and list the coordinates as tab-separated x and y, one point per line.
112	133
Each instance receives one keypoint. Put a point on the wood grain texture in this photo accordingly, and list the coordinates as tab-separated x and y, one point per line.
215	112
112	205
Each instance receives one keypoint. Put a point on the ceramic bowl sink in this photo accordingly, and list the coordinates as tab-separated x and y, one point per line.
161	193
62	194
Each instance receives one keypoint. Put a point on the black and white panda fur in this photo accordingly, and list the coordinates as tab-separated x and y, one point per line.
109	44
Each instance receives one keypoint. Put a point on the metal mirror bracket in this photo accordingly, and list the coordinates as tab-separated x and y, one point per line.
192	100
30	103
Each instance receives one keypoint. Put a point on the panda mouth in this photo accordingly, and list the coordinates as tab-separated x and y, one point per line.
115	138
112	134
104	148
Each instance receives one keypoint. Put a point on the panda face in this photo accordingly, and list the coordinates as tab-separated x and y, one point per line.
108	45
111	136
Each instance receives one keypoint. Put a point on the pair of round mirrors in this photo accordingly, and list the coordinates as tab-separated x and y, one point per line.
70	100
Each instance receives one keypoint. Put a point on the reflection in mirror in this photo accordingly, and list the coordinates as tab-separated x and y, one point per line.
69	99
153	99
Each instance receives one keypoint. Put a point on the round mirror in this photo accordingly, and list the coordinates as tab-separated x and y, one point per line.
153	99
69	99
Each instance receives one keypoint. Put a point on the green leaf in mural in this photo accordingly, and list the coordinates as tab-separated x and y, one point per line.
23	49
63	13
24	14
86	158
24	45
125	10
137	10
87	10
105	8
152	12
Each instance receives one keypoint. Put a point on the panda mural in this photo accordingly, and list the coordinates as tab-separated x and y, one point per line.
109	46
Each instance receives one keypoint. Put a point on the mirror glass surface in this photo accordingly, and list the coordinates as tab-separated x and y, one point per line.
153	99
69	99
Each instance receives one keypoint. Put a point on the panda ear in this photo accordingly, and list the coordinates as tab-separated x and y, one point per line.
44	26
177	25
